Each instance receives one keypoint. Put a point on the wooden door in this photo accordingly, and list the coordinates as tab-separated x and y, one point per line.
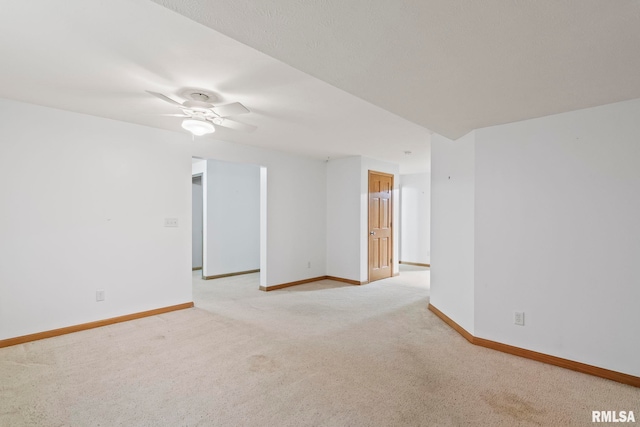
380	225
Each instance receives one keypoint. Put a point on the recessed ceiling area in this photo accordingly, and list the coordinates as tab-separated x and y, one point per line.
450	66
99	58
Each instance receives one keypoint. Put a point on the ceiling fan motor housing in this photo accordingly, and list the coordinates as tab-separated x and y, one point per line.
199	95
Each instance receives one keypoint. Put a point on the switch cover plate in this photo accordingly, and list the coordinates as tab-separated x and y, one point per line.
171	222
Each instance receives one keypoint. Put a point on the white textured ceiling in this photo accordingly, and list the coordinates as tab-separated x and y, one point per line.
451	66
386	71
98	57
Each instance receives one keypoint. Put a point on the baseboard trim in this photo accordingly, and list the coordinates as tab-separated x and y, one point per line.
349	281
313	279
417	264
539	357
237	273
84	326
196	268
288	285
446	319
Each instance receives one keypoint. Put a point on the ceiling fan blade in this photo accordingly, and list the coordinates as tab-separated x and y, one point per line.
164	98
172	115
232	124
233	109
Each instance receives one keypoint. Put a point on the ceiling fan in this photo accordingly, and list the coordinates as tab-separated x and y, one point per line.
200	114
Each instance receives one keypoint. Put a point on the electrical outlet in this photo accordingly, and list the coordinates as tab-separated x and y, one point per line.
100	295
171	222
309	264
518	318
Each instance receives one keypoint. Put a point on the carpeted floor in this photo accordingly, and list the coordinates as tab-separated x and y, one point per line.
320	354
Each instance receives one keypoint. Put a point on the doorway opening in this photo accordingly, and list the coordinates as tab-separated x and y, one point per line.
380	225
197	222
233	218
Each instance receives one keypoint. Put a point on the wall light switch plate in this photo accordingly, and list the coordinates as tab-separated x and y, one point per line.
100	295
171	222
518	318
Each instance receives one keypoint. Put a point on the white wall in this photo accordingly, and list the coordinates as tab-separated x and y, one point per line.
83	235
343	218
86	212
558	235
541	216
197	222
296	213
232	214
415	218
452	228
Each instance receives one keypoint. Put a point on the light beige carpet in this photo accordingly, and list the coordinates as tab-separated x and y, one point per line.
320	354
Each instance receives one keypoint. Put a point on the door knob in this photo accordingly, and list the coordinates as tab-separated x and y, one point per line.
372	233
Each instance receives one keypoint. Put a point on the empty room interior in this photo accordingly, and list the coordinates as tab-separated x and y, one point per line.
319	213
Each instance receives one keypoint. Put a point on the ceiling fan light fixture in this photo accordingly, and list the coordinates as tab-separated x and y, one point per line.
198	127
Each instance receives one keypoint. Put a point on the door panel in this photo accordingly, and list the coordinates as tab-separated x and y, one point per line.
380	225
